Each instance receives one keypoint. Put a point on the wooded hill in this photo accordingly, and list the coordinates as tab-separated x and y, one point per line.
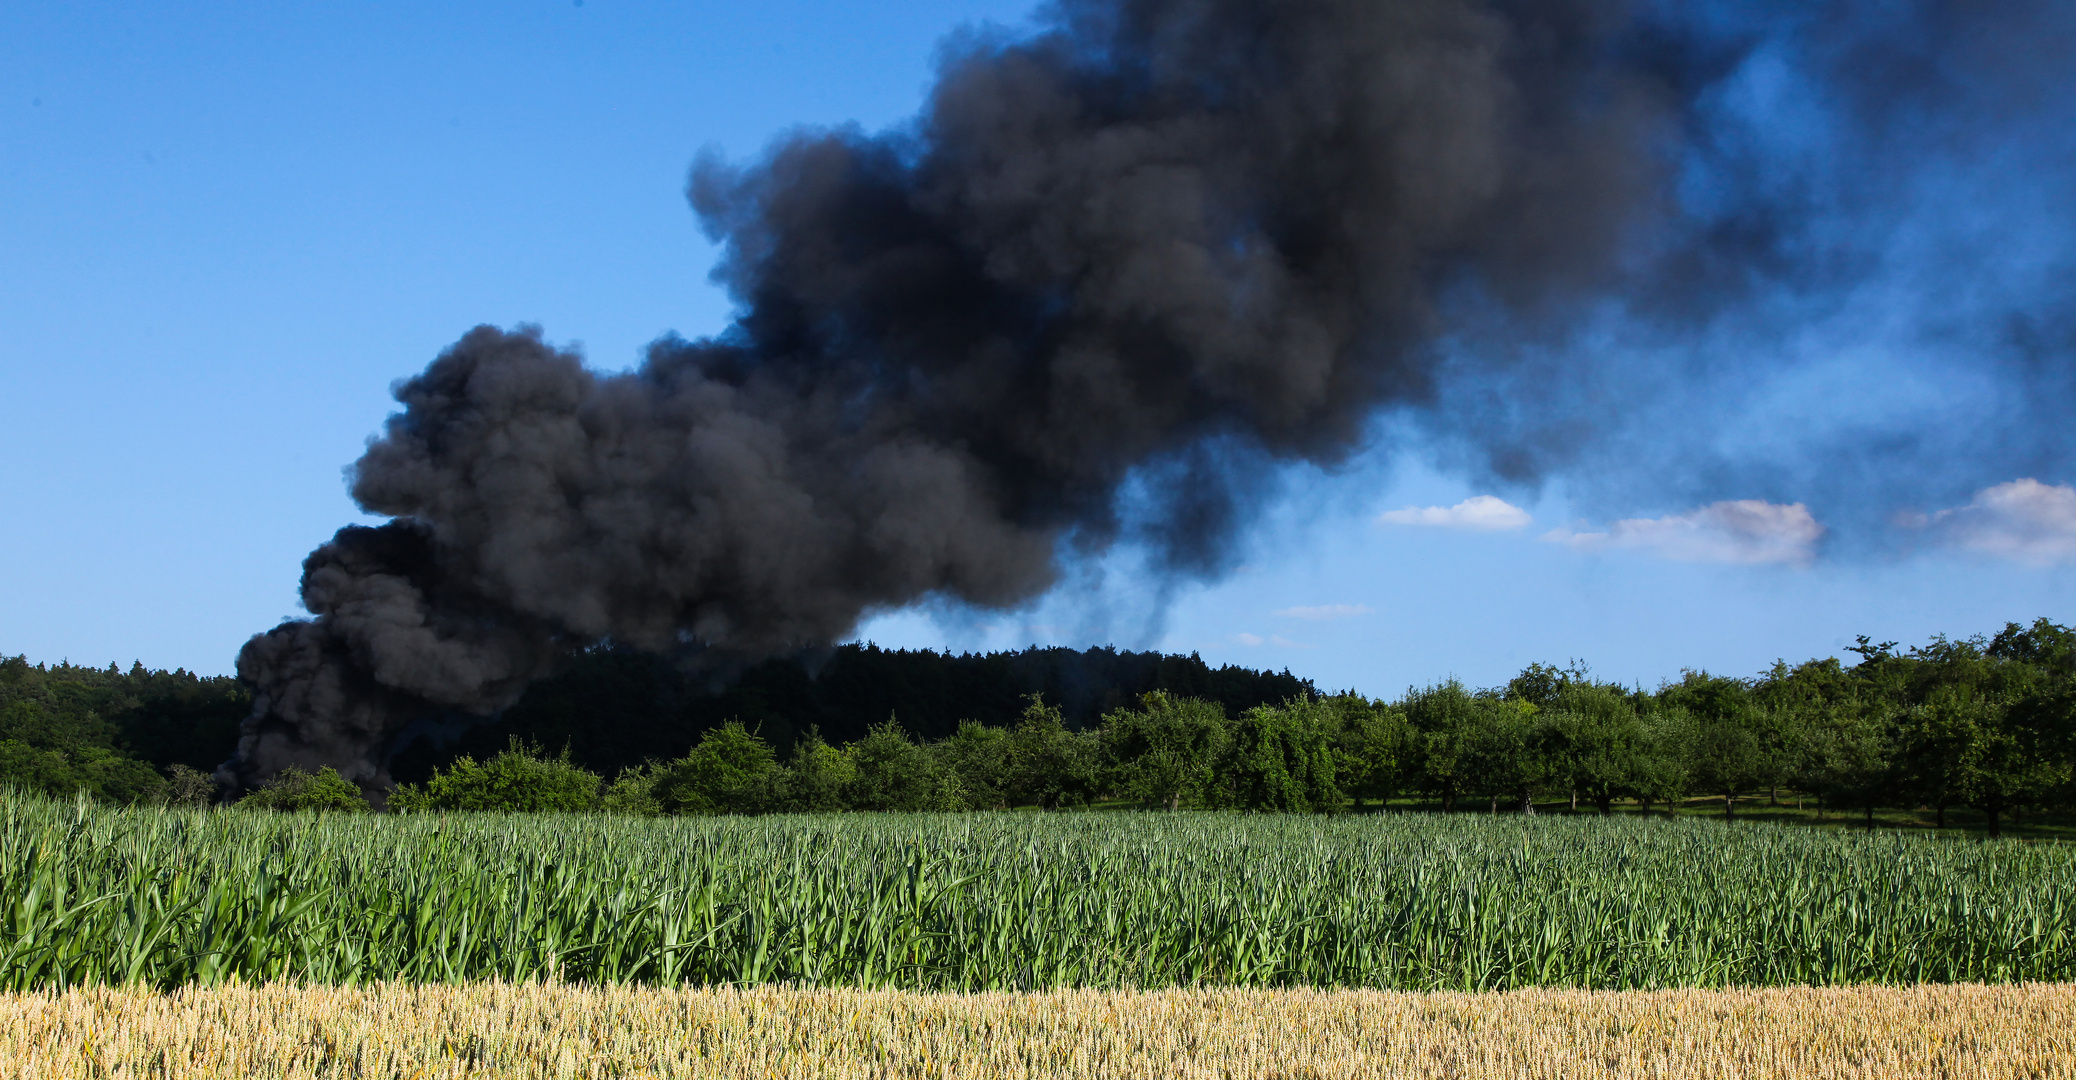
64	727
1984	723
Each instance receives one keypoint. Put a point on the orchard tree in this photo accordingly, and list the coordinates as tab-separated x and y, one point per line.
1167	751
979	756
890	772
2009	756
1282	758
1507	753
1733	751
1049	764
1373	747
1599	743
1848	758
1443	717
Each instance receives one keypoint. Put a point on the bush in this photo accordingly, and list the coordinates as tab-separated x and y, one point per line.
817	776
184	786
1048	764
294	789
116	777
1168	752
519	778
893	773
979	756
633	792
1282	759
46	772
730	771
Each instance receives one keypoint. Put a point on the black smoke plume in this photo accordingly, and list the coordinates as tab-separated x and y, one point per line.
1163	244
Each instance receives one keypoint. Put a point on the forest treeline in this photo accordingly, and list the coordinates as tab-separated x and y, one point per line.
1986	723
1983	723
115	734
121	734
615	707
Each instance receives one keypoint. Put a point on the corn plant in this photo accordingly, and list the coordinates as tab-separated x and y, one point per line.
167	897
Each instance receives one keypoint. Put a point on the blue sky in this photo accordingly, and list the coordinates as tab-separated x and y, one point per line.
226	228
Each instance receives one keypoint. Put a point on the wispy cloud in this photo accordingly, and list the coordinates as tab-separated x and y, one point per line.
2025	521
1741	531
1278	640
1325	612
1484	513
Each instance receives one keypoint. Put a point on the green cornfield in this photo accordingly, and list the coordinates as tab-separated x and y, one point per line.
92	894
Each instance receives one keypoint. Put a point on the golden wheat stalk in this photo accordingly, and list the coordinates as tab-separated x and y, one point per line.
547	1030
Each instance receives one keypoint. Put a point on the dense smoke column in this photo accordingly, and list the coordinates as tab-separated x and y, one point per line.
1168	241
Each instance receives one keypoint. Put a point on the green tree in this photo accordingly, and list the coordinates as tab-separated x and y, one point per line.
1282	759
2006	757
1848	758
979	756
891	772
102	720
518	779
1732	753
2045	645
1373	748
1664	769
730	770
1506	754
1050	765
294	789
29	768
1167	751
1599	745
1443	717
817	775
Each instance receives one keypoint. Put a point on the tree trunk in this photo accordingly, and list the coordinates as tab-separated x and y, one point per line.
1940	819
1870	816
1495	804
1449	801
1773	796
1729	807
1575	800
1527	803
1174	801
1607	804
1996	827
1644	805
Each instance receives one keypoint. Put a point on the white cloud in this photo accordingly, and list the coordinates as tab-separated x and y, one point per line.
1324	612
1485	513
1278	640
2024	521
1743	531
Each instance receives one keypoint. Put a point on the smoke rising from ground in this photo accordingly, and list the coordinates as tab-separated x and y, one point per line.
1165	243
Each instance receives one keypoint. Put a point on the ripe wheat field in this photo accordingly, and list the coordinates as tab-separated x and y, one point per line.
528	1030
